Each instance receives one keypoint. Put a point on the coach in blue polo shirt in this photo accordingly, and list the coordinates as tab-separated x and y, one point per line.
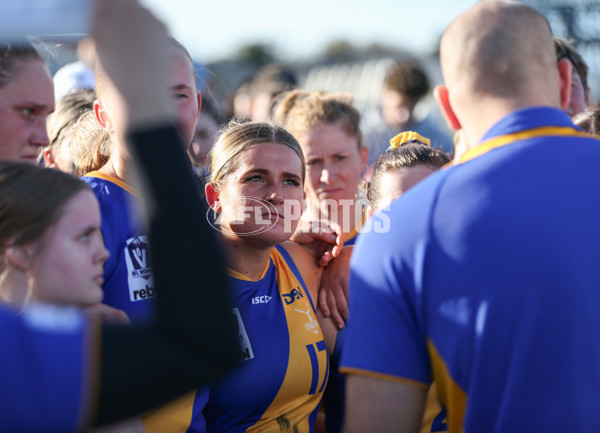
488	281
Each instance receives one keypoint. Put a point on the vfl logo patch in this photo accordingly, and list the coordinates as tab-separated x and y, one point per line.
311	325
245	346
292	296
139	271
137	252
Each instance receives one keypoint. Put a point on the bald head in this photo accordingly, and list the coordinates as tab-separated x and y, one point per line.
500	49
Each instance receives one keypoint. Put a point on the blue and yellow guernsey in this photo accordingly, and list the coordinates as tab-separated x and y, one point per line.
48	382
129	286
284	369
279	385
128	283
487	283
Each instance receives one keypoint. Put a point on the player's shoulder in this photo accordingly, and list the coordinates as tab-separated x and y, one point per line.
306	265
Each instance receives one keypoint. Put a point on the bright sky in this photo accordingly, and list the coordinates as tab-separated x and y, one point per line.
298	29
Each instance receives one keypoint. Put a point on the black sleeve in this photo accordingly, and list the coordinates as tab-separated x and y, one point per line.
193	339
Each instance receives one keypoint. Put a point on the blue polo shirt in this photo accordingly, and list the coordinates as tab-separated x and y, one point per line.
488	282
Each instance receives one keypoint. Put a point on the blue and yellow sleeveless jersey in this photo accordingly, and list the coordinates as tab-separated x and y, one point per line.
284	370
128	283
46	382
487	282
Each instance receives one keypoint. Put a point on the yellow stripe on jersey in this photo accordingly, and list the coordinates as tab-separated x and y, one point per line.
174	417
451	395
114	180
306	375
503	140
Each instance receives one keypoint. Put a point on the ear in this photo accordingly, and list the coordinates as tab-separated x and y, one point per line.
19	257
48	157
565	69
442	97
212	196
103	117
364	157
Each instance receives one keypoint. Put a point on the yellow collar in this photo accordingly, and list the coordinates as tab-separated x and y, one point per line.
503	140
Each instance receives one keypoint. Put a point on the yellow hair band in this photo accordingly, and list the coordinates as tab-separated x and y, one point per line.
408	137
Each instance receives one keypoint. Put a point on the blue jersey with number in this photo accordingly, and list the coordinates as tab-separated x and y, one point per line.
488	283
128	283
45	385
285	364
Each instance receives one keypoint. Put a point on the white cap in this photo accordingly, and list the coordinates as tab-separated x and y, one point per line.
72	76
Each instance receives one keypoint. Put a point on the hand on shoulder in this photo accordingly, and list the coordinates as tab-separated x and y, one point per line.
323	239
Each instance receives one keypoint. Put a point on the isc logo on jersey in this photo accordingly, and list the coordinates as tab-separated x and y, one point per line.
139	271
245	346
261	299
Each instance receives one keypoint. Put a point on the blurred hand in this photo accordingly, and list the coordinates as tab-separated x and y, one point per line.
132	47
107	314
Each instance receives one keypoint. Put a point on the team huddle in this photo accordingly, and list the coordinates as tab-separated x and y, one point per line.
299	274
